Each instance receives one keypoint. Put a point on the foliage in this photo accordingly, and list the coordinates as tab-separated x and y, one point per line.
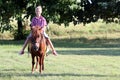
97	29
59	11
17	36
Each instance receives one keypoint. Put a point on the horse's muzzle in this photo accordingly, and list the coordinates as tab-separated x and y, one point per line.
36	46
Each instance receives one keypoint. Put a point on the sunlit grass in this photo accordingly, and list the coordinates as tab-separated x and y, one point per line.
90	52
72	63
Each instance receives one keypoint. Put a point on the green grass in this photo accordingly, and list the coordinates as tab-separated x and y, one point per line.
90	52
78	59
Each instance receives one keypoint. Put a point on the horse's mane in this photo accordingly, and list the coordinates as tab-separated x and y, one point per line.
36	30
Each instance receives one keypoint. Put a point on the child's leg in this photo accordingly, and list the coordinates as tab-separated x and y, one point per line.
51	45
25	44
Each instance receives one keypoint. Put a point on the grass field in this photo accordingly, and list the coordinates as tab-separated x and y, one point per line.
78	59
90	52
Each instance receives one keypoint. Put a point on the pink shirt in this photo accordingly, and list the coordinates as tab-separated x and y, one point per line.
41	21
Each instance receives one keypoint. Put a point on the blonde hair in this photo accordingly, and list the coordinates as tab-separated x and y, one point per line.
38	7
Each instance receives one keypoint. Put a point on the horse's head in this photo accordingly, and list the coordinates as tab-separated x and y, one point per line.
36	36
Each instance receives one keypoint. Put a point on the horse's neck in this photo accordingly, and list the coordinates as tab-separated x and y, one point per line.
42	37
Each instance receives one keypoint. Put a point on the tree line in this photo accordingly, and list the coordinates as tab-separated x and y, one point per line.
58	11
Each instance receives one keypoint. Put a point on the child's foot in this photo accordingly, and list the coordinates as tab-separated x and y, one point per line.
21	52
55	53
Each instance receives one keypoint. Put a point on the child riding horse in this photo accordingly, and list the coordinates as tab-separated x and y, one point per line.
38	47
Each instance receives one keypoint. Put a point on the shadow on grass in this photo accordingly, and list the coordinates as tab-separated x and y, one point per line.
108	44
86	43
11	42
106	52
73	42
85	51
10	74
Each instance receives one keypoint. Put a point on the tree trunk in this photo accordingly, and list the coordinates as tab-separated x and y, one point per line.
20	34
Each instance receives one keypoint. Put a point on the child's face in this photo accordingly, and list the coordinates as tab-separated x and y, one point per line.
38	12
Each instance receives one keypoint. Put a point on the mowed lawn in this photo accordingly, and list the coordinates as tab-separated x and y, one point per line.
78	59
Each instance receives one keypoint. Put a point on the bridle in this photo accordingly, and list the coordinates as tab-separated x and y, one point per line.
36	37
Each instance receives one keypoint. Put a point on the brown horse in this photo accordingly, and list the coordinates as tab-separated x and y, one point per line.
38	47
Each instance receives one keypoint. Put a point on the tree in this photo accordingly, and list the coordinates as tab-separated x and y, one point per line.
58	11
6	12
13	9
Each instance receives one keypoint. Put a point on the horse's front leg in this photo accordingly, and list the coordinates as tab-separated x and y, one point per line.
37	61
33	62
40	63
40	66
43	63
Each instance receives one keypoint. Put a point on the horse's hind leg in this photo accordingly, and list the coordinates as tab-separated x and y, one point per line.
33	62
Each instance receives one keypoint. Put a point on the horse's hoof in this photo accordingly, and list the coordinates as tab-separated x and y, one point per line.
36	70
41	72
32	72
